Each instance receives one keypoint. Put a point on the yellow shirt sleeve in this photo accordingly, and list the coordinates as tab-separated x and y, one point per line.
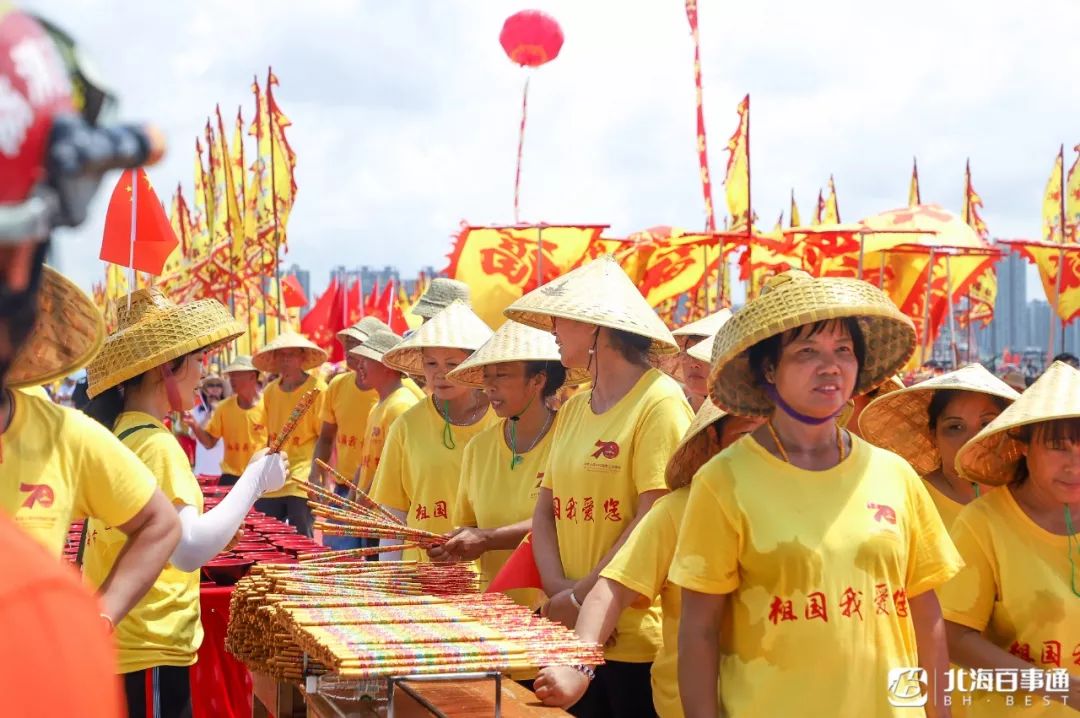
168	463
711	536
657	435
643	561
968	598
388	486
326	403
932	557
215	427
463	513
115	485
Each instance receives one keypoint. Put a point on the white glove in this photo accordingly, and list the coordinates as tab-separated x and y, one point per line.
204	536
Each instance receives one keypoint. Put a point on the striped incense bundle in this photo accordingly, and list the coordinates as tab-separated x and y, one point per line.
351	554
361	497
298	412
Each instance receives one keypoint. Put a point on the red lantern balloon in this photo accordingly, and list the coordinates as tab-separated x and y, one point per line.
531	38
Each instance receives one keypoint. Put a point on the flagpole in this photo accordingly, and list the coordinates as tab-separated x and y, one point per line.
749	195
949	300
273	192
926	312
1061	252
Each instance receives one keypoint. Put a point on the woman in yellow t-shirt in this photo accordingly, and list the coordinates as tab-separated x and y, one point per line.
519	371
688	370
420	465
807	557
149	366
1013	612
928	423
606	466
638	573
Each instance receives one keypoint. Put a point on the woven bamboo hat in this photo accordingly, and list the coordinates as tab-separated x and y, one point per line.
790	300
376	345
597	293
513	342
266	358
696	446
900	423
992	455
69	332
440	294
241	363
702	351
705	327
153	330
456	327
363	329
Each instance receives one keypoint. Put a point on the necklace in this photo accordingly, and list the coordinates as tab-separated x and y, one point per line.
510	436
448	434
783	451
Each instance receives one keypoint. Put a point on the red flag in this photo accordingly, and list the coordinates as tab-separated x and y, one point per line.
292	293
519	571
386	302
154	239
354	308
325	320
397	322
372	302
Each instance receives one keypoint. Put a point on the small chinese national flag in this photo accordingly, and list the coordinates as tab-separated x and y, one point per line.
519	571
153	240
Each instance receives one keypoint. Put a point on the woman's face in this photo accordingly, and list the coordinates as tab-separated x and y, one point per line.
1054	469
508	390
735	427
575	339
962	418
437	364
816	374
188	377
695	373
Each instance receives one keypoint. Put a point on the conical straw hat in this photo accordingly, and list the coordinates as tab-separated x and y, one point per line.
456	327
266	358
241	363
376	345
792	299
363	329
154	330
510	343
702	351
992	455
899	421
695	447
69	332
705	327
440	294
597	293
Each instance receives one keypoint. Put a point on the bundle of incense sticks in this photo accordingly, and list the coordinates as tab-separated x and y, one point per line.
351	553
361	496
298	412
338	516
333	616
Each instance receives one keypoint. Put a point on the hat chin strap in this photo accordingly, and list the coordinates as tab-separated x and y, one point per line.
172	391
774	396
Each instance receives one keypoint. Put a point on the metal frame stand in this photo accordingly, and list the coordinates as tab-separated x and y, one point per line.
399	682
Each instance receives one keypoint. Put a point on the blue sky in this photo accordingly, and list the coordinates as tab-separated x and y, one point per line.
405	114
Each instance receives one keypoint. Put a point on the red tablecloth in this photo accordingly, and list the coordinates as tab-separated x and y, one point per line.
220	685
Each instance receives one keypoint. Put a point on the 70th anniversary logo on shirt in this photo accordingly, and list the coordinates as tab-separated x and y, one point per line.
909	687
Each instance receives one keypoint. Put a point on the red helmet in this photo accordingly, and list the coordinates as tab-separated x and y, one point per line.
35	88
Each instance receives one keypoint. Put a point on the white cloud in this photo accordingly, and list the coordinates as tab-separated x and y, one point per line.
405	114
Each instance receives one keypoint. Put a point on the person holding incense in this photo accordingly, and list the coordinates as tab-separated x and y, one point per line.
691	372
292	357
606	464
238	420
802	539
420	466
148	367
1015	606
638	573
501	470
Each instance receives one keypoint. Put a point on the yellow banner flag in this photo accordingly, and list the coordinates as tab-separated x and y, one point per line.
500	264
983	291
831	215
793	216
1052	202
1072	197
737	175
914	197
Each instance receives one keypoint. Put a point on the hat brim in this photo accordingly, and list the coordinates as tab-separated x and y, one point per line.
68	333
267	359
473	376
889	336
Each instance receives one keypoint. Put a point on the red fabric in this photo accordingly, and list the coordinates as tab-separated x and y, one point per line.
371	304
326	319
154	237
292	293
220	685
519	571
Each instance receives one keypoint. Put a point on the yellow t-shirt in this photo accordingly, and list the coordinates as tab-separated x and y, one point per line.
58	465
301	445
820	566
242	430
599	465
491	494
418	474
947	508
1015	587
413	388
642	566
380	419
164	627
347	408
37	392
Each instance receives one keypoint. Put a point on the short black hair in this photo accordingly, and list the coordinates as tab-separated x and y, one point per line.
554	373
767	351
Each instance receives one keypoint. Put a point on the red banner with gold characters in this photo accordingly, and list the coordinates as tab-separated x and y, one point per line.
500	264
